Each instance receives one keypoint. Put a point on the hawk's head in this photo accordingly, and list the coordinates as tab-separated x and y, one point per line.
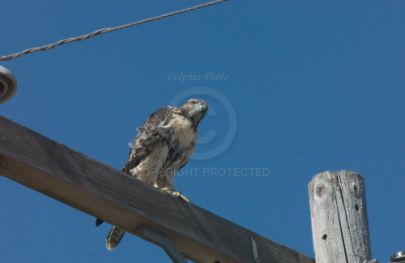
194	110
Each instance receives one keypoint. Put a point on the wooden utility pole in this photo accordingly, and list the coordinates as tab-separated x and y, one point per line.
339	218
104	192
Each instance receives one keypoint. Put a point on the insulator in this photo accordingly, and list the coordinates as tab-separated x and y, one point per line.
8	84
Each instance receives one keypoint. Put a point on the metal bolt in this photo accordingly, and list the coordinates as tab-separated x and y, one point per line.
398	257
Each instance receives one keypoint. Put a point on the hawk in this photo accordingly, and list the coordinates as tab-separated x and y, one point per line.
161	148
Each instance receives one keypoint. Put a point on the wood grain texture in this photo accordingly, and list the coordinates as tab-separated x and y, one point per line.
339	218
99	190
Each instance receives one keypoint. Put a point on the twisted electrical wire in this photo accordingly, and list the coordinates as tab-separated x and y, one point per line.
107	30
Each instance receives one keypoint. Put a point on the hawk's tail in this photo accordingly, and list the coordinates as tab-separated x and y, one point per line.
114	237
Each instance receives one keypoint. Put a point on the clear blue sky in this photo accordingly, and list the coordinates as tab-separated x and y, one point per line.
314	86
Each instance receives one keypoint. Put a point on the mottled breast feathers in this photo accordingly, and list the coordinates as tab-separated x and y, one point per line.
162	146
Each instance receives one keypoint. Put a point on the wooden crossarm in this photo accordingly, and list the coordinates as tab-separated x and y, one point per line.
102	191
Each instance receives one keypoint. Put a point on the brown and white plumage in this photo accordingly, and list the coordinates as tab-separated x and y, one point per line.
162	147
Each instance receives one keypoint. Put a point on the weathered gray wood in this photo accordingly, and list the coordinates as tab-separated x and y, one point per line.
339	218
99	190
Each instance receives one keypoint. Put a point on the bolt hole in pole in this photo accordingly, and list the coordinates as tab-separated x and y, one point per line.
325	236
320	190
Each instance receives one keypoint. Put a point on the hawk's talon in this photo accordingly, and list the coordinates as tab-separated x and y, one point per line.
180	196
175	193
184	198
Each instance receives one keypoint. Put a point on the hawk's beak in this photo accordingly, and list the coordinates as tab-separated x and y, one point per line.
204	106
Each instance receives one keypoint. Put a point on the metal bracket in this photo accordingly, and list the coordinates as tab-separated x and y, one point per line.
255	250
164	242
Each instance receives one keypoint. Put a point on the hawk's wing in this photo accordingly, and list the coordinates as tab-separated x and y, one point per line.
149	136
